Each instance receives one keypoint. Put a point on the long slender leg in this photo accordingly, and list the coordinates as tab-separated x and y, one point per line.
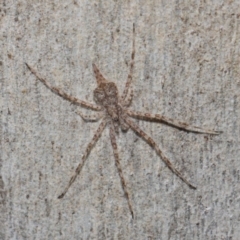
118	165
90	118
153	144
88	150
129	79
99	77
63	94
122	114
127	101
170	121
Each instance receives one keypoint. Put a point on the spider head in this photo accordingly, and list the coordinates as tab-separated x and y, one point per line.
99	95
106	93
111	90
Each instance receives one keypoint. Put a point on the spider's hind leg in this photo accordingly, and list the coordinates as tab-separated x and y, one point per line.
118	165
170	121
87	152
153	144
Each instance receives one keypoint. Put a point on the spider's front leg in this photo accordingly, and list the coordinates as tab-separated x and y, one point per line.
153	144
129	78
62	94
170	121
88	150
127	101
118	165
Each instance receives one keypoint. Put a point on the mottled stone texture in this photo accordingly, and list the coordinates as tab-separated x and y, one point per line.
187	67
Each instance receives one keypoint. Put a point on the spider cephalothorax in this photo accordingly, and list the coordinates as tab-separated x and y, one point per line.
114	112
106	95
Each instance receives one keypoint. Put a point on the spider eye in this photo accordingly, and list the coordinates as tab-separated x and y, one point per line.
111	89
99	95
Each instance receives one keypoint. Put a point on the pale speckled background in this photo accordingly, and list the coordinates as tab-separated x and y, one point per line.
187	67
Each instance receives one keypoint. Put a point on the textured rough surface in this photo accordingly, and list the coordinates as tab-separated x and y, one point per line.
186	67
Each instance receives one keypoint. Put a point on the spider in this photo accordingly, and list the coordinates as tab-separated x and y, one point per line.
114	112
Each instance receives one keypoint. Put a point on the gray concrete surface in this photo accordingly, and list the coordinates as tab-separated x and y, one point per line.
187	67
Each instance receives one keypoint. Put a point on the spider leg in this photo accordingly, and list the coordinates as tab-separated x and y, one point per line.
127	101
129	79
98	75
170	121
118	165
153	144
90	118
123	125
88	150
122	114
63	94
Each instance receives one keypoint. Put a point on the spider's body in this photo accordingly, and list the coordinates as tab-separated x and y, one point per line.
106	95
114	112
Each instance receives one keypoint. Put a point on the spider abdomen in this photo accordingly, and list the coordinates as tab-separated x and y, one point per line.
112	112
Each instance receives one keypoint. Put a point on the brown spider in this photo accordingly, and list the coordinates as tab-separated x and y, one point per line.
115	113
